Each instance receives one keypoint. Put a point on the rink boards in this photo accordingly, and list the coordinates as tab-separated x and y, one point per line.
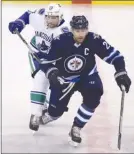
69	2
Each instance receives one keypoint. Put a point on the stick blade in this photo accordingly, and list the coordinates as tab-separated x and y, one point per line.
119	142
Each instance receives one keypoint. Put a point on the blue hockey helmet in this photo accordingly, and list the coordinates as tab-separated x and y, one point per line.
79	22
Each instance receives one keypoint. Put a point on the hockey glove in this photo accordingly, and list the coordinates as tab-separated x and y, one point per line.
53	76
16	25
122	78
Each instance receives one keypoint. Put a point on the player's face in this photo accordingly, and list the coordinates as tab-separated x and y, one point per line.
52	21
79	34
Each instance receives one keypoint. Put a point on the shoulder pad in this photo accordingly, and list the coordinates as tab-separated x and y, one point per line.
31	11
41	11
96	36
62	36
57	38
65	29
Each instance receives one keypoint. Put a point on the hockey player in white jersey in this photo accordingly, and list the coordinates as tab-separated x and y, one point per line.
47	23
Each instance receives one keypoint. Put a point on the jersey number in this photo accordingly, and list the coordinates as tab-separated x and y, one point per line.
106	45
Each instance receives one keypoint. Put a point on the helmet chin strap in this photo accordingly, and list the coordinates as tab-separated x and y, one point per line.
60	19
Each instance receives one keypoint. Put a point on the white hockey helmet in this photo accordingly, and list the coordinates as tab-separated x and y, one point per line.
54	9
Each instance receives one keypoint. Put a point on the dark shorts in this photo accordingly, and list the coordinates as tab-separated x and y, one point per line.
90	87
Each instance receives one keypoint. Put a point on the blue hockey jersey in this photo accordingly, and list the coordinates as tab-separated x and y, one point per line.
75	60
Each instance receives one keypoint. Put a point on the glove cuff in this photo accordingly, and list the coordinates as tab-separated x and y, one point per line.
117	74
20	20
50	70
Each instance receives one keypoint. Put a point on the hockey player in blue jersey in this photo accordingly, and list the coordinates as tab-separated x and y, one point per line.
76	70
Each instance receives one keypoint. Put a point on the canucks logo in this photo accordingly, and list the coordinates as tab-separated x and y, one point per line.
42	47
65	29
74	64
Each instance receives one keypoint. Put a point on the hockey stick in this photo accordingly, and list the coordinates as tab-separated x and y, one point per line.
30	50
41	61
121	117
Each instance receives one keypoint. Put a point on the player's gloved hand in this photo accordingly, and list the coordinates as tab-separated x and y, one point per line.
53	77
122	78
15	25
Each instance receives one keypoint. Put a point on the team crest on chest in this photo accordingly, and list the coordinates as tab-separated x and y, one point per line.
74	63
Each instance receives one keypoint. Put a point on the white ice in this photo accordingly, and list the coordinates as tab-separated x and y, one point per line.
116	25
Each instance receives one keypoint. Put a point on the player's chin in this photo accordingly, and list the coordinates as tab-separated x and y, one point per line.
51	26
80	40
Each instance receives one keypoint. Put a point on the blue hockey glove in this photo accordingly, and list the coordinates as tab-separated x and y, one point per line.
53	76
122	78
16	25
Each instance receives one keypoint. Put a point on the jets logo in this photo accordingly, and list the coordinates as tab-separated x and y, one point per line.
74	63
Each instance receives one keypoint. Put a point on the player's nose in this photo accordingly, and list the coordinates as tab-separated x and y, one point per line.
81	34
49	21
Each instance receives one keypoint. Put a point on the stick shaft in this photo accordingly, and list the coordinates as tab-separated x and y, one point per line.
121	117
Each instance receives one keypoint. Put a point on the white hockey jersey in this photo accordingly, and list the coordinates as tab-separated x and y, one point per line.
43	35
